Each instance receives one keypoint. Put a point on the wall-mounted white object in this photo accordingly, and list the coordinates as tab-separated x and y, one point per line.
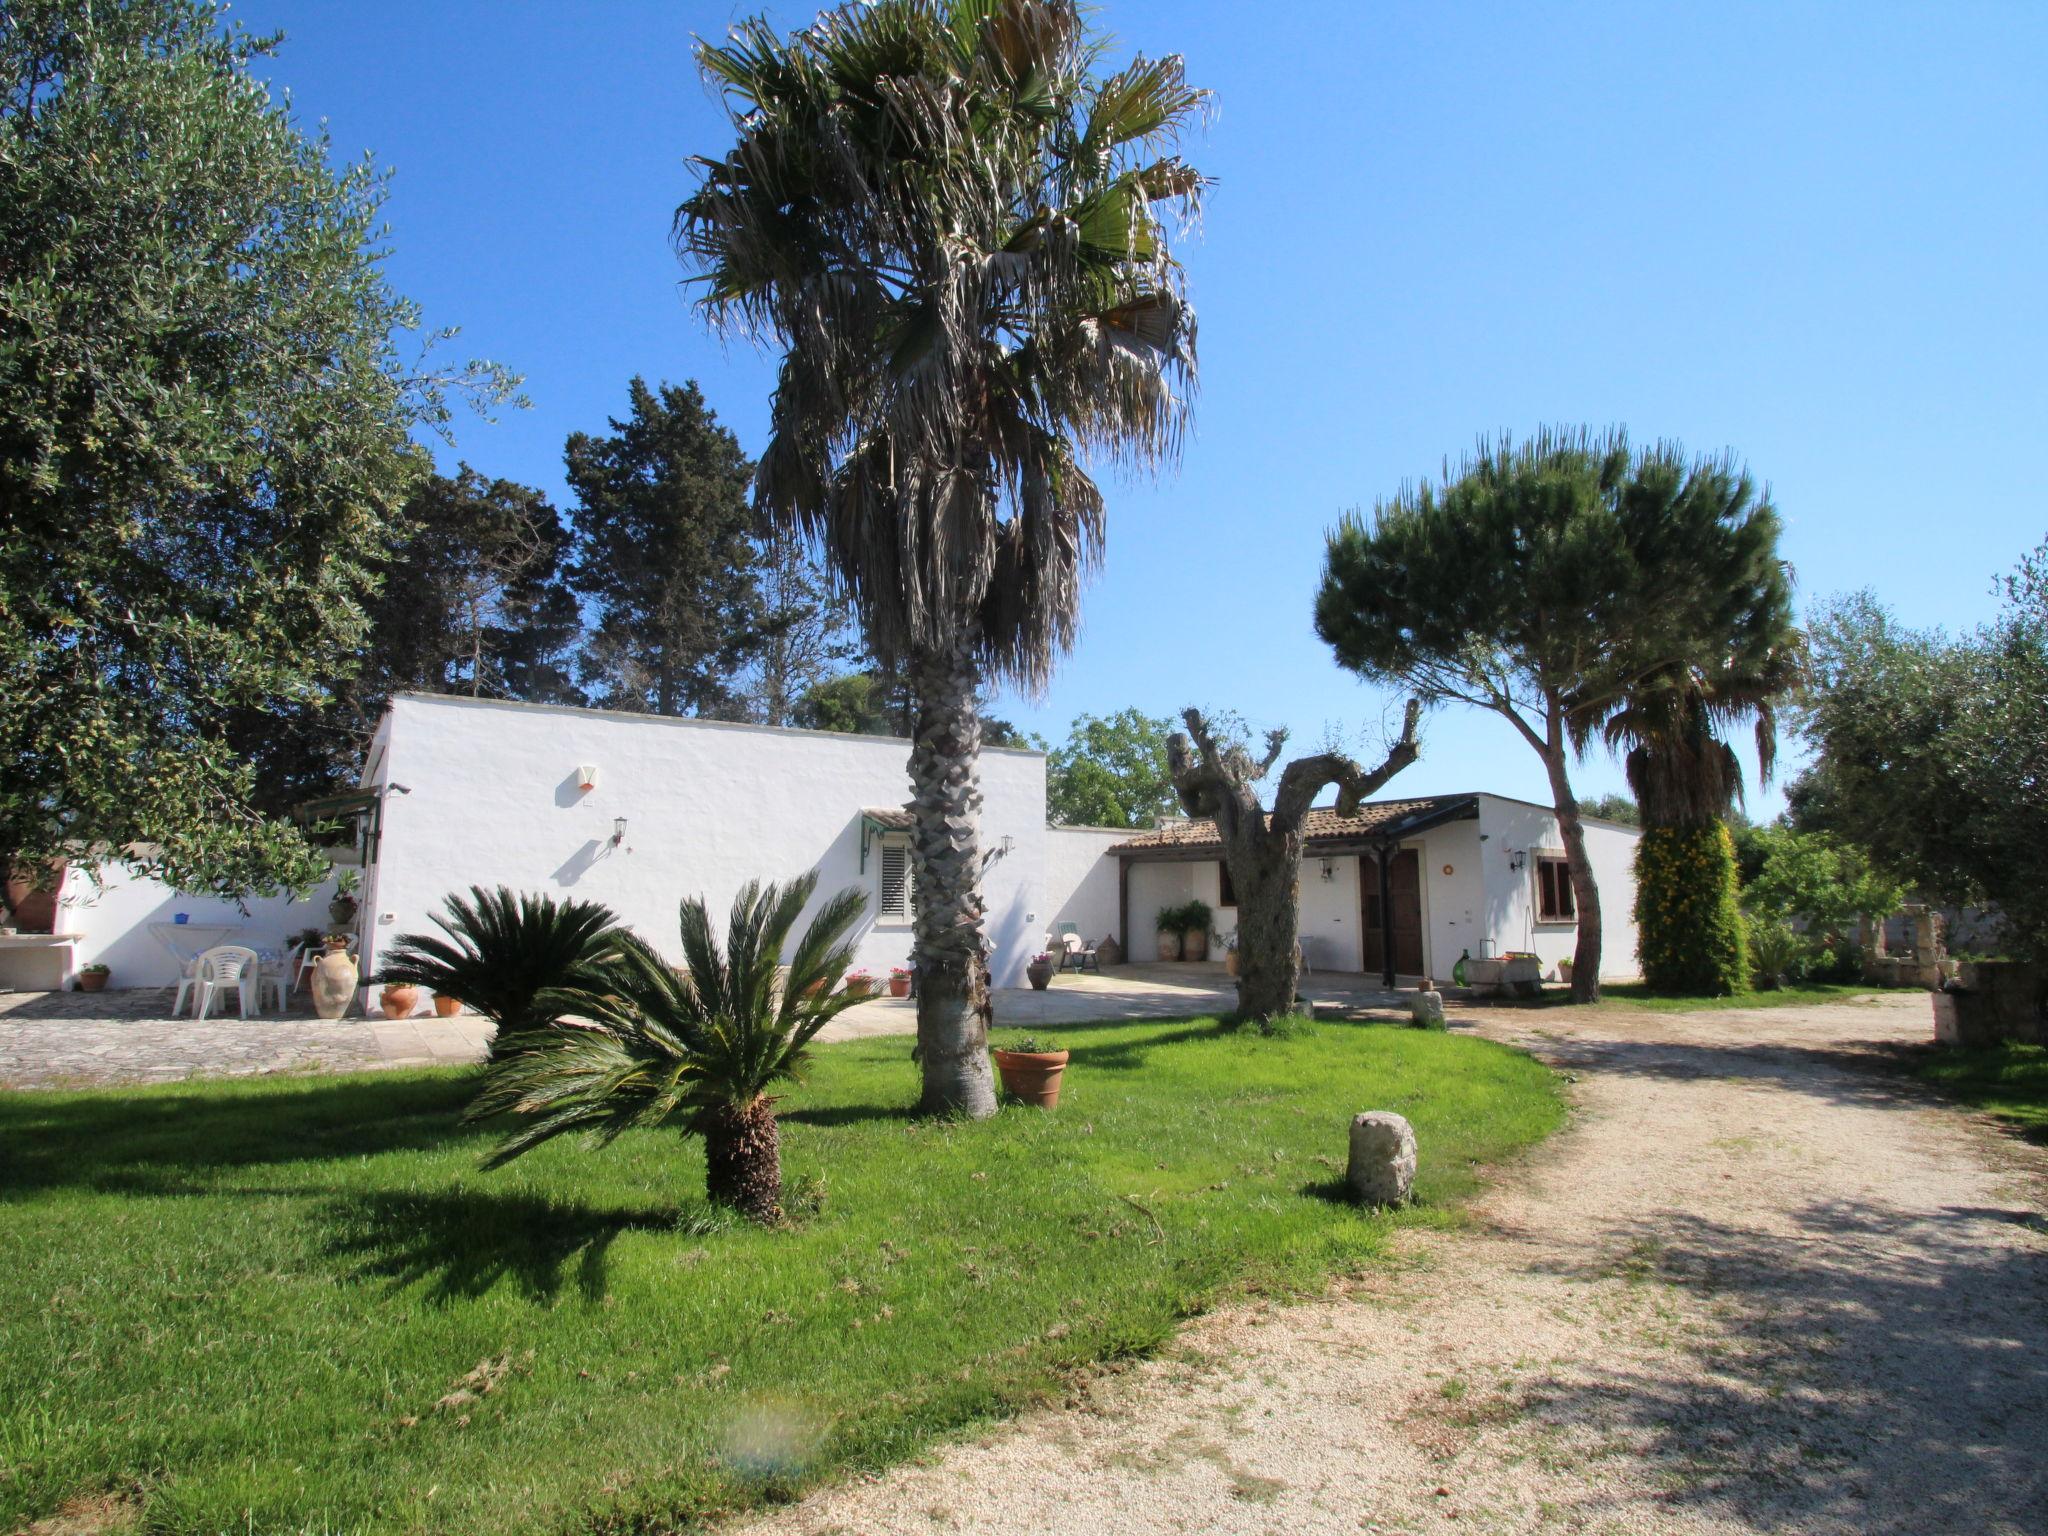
586	776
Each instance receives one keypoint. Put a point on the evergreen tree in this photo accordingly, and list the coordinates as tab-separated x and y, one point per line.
664	558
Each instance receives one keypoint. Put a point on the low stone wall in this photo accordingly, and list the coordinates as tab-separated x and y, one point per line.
1991	1001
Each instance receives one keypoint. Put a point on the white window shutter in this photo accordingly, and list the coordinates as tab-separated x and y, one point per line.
894	904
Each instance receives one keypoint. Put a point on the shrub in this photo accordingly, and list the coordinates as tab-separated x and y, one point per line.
1777	952
1195	916
1688	925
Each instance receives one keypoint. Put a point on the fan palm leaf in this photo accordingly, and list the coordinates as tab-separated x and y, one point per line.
645	1042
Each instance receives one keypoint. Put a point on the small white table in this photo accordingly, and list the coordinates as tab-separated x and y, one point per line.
186	942
36	962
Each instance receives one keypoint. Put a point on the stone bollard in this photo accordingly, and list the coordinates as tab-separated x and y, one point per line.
1382	1167
1426	1008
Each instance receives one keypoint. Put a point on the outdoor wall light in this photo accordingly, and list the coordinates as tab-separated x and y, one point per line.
586	776
1329	869
618	830
1518	860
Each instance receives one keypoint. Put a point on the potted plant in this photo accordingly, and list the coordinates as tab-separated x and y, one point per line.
446	1007
341	911
1039	971
1229	941
899	981
1564	972
860	983
1031	1069
1194	930
398	999
93	978
1169	933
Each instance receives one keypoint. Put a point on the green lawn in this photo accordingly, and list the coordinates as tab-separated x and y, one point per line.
269	1305
2009	1081
1635	994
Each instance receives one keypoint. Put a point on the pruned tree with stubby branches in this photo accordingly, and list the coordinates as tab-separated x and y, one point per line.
956	231
1217	776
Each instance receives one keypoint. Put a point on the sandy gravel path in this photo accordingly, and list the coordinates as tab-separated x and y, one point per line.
1758	1286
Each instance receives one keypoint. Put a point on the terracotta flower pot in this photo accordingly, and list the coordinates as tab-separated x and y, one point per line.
1194	944
860	986
1033	1076
92	981
398	1002
1169	945
1230	962
446	1007
1040	976
899	986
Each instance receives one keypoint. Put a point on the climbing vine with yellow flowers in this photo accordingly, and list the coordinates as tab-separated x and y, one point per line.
1689	927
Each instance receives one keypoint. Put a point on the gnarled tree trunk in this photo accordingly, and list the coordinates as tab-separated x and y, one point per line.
1217	779
743	1159
952	956
1585	891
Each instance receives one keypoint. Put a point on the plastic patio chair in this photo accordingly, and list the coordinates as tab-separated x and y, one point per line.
230	967
1076	953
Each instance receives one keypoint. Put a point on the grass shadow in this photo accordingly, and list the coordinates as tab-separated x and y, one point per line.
1129	1055
154	1140
463	1243
849	1114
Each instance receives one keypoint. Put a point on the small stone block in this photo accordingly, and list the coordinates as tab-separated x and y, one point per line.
1426	1010
1382	1170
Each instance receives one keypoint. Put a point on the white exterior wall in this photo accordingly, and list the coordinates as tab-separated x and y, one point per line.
1080	884
1512	826
494	800
1156	884
1330	912
1454	904
112	916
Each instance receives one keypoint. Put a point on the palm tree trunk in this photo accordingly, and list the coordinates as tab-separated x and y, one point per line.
743	1160
1585	892
953	1006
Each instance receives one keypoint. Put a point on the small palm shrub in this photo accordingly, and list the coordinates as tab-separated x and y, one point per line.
1689	928
701	1045
1777	953
505	953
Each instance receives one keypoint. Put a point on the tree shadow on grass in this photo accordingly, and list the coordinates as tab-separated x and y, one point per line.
1129	1055
155	1141
848	1114
463	1243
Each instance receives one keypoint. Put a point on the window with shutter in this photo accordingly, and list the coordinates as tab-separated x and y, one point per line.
1554	902
892	903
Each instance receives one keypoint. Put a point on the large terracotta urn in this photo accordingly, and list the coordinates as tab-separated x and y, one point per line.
334	983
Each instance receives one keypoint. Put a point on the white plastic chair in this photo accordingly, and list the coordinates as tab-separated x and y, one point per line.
230	966
277	972
187	980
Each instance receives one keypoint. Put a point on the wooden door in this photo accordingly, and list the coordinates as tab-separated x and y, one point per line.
1404	877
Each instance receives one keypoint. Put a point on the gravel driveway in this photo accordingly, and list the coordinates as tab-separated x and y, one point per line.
1758	1286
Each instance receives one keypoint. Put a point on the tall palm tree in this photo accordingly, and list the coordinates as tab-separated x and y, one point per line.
956	233
505	953
704	1043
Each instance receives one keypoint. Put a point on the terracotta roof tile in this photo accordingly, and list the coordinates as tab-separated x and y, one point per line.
1319	826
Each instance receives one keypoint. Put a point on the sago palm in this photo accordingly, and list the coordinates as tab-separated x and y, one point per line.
954	229
504	953
702	1044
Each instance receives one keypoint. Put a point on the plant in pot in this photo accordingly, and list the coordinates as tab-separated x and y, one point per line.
1229	942
1564	972
92	978
1039	971
860	983
1170	932
1031	1067
899	981
1195	918
341	911
446	1007
398	999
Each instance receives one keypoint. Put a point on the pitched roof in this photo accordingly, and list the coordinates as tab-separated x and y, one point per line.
890	818
1375	819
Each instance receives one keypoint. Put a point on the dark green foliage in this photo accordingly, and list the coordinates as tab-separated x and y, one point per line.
858	703
702	1043
805	630
511	956
1932	752
1112	772
204	430
664	558
471	601
1612	807
1689	926
1818	876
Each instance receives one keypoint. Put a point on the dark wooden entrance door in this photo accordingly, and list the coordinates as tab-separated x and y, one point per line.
1404	877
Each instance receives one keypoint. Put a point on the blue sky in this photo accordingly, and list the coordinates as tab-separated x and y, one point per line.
1812	234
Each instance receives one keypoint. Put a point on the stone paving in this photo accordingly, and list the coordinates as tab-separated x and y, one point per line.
129	1035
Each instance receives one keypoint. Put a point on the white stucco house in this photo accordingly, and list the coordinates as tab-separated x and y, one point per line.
639	811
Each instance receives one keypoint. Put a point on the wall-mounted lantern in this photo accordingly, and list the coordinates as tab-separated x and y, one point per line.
1329	869
586	776
618	830
1518	860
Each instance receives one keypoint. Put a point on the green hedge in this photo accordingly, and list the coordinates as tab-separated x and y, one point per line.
1688	925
